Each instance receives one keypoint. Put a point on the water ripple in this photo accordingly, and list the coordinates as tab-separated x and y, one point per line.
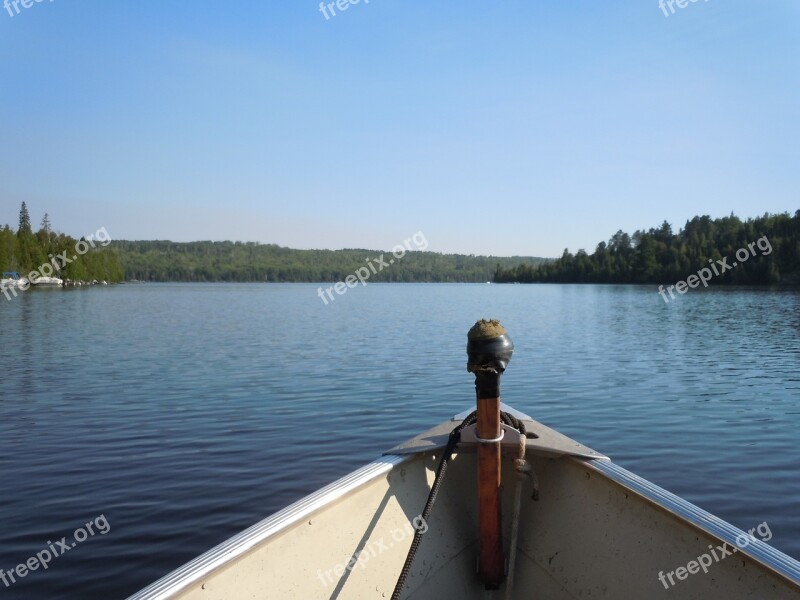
183	413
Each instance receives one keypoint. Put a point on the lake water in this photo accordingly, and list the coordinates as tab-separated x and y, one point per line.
183	413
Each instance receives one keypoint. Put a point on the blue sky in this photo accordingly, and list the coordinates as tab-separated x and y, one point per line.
502	128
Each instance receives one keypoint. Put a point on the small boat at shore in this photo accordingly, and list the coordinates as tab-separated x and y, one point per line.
13	280
489	504
10	279
45	282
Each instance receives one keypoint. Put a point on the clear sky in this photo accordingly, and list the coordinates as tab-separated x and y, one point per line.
514	127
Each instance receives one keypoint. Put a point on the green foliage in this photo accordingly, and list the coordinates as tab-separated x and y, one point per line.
251	261
7	245
25	252
659	256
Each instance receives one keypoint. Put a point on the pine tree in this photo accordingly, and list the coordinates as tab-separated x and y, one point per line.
44	234
24	222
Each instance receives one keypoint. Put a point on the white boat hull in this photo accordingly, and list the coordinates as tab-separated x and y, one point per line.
43	282
597	531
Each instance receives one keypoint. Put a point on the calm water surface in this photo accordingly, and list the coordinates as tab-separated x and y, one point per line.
183	413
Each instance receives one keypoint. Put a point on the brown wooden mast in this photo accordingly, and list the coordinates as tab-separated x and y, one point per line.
489	350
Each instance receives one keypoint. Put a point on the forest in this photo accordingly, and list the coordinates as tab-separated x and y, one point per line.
660	256
24	251
252	261
655	256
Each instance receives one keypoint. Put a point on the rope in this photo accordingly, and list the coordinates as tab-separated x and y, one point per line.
523	469
512	421
452	441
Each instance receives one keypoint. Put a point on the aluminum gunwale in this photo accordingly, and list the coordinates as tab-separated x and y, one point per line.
195	570
757	550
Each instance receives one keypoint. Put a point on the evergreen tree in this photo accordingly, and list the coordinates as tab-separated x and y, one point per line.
24	221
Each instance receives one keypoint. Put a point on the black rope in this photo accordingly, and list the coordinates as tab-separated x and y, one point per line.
452	441
512	421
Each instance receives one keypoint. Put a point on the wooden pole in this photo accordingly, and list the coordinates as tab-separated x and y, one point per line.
489	351
491	535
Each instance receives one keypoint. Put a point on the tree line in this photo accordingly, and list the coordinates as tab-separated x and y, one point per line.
653	256
660	256
25	251
255	262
